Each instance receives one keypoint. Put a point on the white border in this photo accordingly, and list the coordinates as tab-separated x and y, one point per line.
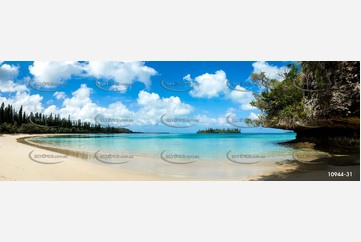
181	30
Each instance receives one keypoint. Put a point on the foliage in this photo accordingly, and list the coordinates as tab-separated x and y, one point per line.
281	102
219	131
12	121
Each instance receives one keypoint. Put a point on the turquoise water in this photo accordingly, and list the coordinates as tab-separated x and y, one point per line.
209	147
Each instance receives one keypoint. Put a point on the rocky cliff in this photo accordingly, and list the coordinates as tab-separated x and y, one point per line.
332	104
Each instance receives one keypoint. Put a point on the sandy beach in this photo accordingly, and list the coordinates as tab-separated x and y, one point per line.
16	164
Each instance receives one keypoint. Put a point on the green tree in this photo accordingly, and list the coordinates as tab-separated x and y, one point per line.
281	102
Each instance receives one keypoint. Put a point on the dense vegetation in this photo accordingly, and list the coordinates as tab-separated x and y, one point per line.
13	121
219	131
281	102
311	91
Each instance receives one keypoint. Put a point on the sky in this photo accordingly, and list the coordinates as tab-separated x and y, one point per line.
150	96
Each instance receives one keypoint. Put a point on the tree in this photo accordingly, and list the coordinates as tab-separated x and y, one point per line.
21	115
12	121
281	102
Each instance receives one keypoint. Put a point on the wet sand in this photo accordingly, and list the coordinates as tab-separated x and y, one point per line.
80	165
15	164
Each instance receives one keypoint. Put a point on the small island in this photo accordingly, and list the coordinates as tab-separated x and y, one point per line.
219	131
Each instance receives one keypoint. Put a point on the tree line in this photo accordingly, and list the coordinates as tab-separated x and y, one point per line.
13	121
219	131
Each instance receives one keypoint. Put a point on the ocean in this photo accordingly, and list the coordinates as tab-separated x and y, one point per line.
207	147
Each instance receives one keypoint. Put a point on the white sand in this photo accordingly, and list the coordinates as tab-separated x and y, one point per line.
15	164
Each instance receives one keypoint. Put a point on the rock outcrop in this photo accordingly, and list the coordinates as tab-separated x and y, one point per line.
332	104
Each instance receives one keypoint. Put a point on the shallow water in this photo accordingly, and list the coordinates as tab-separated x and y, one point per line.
208	147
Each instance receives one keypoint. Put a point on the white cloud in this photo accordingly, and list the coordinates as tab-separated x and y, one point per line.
215	85
230	111
59	95
80	106
8	72
122	72
210	85
187	78
10	86
55	71
3	100
30	103
243	97
153	107
204	120
253	116
271	71
80	97
51	109
247	107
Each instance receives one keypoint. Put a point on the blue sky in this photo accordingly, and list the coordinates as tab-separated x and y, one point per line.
141	92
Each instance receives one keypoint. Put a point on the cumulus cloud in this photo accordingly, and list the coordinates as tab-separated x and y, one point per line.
243	97
271	71
153	107
59	95
10	86
8	71
55	71
122	72
51	109
215	85
210	85
19	96
79	106
30	103
7	74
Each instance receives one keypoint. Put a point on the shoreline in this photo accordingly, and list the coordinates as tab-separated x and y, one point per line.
16	165
147	168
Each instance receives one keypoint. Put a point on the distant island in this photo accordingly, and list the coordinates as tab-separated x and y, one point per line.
219	131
